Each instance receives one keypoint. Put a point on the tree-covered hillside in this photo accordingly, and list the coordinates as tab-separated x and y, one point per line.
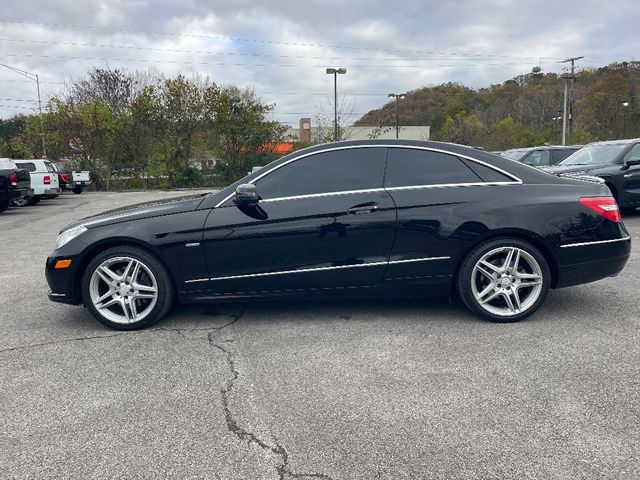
525	110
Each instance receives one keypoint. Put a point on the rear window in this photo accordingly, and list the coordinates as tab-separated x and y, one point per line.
27	166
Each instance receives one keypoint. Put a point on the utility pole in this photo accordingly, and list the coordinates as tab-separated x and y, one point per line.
568	93
32	76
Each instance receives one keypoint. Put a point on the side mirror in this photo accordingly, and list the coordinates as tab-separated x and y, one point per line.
246	194
632	162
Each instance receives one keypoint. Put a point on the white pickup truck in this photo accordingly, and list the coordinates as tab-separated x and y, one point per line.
44	179
79	180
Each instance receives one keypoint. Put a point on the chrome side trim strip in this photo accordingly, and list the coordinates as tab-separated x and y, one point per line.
314	195
445	185
599	242
51	294
317	269
348	147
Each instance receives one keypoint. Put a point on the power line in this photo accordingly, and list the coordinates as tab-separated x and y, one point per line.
239	54
252	40
270	65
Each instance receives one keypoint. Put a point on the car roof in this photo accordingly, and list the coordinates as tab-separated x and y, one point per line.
545	147
624	141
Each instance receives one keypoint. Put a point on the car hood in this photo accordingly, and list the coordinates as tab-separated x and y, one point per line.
559	169
157	208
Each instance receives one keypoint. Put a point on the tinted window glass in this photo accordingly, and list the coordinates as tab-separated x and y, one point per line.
633	153
27	166
406	167
538	158
337	171
558	155
49	167
486	173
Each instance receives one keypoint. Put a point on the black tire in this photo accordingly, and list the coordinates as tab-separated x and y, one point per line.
4	204
77	189
34	200
165	289
465	278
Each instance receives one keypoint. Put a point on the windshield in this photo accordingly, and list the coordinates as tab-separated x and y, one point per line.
595	154
514	154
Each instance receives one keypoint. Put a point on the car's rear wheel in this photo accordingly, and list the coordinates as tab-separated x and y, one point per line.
504	280
127	288
77	190
20	202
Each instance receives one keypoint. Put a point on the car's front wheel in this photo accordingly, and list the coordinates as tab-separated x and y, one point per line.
504	280
127	288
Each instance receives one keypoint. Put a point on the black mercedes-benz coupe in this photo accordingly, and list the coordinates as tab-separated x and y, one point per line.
370	218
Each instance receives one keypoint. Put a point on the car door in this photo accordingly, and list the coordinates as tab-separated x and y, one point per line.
434	193
631	177
323	222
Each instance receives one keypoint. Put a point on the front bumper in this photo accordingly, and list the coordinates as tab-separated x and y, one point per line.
63	284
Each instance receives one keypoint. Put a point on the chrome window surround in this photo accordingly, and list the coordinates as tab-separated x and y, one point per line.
318	269
598	242
516	180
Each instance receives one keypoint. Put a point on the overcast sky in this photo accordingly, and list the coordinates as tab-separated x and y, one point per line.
281	49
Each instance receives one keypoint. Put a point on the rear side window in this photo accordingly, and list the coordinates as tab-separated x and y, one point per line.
49	167
408	167
27	166
558	155
326	172
487	174
538	158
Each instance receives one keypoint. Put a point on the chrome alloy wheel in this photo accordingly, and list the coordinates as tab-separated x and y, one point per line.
506	281
123	290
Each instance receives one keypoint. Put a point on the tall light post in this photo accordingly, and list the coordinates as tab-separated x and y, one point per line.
32	76
624	119
398	97
335	72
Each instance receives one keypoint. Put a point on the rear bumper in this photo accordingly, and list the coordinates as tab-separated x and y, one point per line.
604	259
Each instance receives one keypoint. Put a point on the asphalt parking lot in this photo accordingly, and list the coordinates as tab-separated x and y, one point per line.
334	390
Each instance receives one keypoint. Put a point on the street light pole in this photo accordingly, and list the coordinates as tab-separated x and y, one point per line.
335	72
398	97
32	76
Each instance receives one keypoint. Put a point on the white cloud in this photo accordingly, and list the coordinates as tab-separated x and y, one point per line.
381	44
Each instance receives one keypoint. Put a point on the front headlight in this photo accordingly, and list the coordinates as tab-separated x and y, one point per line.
68	235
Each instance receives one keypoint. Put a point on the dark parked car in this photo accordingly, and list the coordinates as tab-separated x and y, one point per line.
617	162
15	183
541	156
372	218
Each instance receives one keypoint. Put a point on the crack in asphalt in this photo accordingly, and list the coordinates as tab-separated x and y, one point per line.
232	423
233	426
179	331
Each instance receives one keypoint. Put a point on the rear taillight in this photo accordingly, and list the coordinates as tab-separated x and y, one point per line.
64	177
47	180
605	206
13	180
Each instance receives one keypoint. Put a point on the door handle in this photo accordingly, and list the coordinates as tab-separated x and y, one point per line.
358	209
